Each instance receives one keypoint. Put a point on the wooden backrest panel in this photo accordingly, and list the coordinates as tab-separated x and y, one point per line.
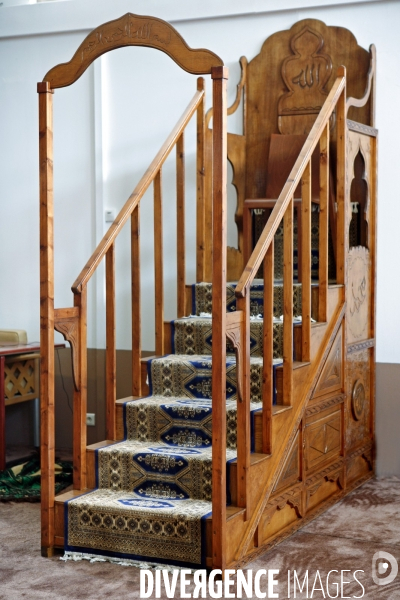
287	83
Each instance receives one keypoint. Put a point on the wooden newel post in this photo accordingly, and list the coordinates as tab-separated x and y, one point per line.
219	76
46	316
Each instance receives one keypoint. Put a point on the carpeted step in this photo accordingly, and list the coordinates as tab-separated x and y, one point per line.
156	470
193	335
124	524
177	421
179	375
202	298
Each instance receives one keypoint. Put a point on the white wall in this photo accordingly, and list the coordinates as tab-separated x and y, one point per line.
111	123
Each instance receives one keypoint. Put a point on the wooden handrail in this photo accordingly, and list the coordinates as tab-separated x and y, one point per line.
136	195
289	188
132	30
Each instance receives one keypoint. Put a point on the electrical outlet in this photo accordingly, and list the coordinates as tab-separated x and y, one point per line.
90	419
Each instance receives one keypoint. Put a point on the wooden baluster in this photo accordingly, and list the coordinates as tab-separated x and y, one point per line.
219	76
247	233
111	358
136	303
158	265
268	350
180	225
323	224
341	192
243	408
80	396
46	317
288	304
200	166
306	262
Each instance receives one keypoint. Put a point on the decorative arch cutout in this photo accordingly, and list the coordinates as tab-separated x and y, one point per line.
132	30
358	226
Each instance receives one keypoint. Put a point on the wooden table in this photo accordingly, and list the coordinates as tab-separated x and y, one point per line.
19	370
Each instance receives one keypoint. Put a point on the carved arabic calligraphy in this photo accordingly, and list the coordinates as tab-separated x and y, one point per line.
308	76
150	31
359	299
305	74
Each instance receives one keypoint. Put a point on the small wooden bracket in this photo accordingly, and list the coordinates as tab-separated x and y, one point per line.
66	321
234	323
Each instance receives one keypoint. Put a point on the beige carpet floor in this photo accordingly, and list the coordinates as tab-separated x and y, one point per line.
344	538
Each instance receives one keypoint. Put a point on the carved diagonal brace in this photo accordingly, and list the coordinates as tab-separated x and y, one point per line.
66	321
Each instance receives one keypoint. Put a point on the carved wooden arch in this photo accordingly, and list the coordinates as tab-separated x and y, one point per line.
132	30
353	154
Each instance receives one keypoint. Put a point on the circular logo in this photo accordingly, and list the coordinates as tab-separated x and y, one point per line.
384	568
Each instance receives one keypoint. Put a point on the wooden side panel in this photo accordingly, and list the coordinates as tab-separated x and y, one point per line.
323	438
358	398
324	488
360	463
331	378
291	472
358	316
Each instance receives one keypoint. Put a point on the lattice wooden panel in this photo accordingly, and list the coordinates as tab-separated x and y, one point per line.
21	379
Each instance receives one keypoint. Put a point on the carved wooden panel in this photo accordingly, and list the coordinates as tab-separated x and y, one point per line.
265	85
323	438
360	462
282	510
234	325
360	185
132	30
66	321
324	484
358	294
358	384
305	73
331	378
21	380
291	469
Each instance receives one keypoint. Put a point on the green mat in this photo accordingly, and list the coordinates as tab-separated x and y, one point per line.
22	482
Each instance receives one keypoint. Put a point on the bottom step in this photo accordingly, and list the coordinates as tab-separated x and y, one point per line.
177	532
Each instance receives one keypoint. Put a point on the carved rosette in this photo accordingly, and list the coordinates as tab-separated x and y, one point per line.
358	400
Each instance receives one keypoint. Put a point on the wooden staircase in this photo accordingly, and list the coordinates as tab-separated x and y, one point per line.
290	400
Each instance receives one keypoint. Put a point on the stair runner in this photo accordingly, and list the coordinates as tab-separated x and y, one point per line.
154	488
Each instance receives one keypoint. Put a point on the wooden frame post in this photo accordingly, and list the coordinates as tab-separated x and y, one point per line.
111	347
80	396
288	305
219	76
200	173
305	265
136	303
47	455
341	192
158	264
180	226
324	225
268	350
